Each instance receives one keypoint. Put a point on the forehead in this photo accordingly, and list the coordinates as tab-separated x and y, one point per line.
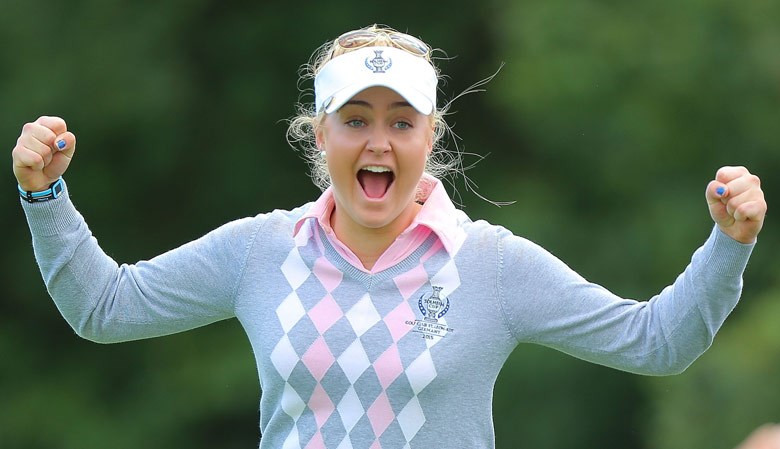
378	96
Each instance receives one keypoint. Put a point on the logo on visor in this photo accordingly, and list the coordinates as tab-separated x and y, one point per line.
379	64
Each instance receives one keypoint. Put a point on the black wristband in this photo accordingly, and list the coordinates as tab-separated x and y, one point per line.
54	191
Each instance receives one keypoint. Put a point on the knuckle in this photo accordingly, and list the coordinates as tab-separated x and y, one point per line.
37	159
723	173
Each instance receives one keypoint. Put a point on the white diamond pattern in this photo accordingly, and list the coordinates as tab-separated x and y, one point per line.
295	269
421	372
292	404
354	361
350	409
411	419
363	315
345	443
290	311
447	278
293	440
284	357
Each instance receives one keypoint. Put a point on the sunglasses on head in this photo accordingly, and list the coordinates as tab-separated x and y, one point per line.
362	38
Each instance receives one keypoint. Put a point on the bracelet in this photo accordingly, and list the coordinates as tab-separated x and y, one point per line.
54	191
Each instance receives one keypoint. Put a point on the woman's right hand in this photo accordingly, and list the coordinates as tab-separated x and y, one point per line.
42	153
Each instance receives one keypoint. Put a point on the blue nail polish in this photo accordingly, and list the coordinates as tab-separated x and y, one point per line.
61	144
720	191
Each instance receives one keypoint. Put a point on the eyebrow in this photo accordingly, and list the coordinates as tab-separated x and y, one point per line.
365	104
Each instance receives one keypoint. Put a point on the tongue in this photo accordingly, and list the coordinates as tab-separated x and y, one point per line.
374	184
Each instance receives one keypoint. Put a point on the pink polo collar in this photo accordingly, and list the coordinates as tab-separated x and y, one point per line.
438	215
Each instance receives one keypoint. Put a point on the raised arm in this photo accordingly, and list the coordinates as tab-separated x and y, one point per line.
103	301
550	304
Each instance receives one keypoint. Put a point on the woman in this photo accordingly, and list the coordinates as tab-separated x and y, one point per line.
379	315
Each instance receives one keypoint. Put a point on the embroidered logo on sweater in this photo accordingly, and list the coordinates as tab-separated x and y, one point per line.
433	308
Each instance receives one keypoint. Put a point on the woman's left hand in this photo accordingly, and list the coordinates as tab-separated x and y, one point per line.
737	203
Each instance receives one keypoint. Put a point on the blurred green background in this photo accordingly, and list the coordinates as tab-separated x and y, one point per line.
605	125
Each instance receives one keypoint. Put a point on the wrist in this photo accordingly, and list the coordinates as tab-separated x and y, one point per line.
54	191
34	187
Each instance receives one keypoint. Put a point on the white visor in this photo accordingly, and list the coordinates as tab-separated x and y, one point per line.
413	77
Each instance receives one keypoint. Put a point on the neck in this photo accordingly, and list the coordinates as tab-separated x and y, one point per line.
369	244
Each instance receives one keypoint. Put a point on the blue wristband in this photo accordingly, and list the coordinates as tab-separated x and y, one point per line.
54	191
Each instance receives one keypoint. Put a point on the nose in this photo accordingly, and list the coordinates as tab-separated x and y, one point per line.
379	142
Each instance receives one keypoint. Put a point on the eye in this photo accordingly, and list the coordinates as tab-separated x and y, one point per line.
402	125
355	123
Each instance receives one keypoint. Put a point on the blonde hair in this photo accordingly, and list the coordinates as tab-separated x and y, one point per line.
302	128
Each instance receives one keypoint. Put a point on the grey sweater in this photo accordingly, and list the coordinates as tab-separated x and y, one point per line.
403	358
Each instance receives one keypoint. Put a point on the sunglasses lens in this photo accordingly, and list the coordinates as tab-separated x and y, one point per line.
361	38
410	44
356	39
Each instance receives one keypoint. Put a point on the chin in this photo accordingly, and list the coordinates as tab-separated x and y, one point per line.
375	220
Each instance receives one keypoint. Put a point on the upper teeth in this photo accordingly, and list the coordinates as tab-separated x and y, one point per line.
376	169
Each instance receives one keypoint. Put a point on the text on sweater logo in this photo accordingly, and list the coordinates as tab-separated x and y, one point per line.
433	308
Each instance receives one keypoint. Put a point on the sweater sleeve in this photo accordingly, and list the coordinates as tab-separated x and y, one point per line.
548	303
181	289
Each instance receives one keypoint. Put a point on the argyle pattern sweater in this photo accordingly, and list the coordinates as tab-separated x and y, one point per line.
403	358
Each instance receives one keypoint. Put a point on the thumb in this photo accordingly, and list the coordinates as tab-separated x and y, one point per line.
716	192
717	195
63	149
65	144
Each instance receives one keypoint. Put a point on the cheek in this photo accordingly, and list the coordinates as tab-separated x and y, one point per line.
414	161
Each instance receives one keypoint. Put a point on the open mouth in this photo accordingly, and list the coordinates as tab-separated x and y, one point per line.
375	180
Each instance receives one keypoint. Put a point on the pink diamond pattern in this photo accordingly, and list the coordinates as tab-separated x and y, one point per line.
380	414
388	366
396	321
329	276
318	358
321	405
325	314
411	281
316	442
353	361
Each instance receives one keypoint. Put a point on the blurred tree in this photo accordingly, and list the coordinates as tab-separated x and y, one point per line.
729	391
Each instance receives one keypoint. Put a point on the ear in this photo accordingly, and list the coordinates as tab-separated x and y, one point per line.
431	136
319	137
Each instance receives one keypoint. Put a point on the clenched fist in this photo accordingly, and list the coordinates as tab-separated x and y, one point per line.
42	153
737	203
